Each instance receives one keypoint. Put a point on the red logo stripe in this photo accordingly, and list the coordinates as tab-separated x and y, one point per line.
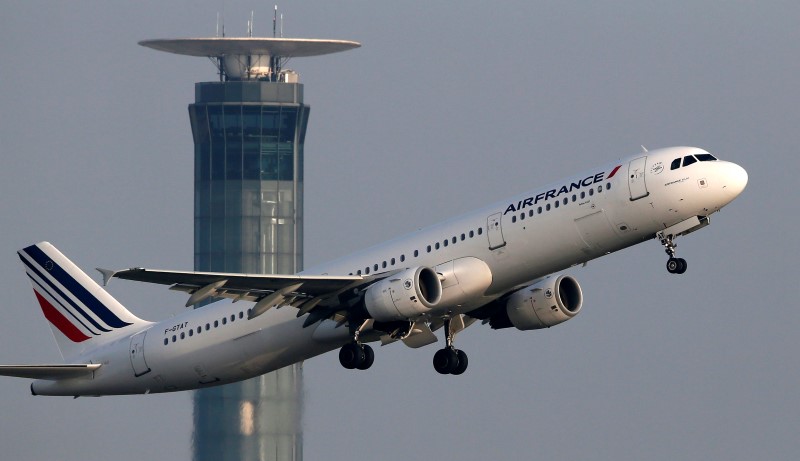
62	323
613	172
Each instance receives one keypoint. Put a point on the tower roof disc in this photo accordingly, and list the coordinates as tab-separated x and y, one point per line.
251	46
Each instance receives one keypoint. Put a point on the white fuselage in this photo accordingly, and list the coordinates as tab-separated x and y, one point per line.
520	239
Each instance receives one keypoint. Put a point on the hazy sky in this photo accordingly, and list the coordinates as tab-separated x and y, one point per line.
447	106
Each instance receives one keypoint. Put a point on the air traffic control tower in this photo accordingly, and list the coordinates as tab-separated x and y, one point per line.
248	131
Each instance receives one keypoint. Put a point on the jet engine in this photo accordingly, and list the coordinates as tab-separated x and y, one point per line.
404	295
545	303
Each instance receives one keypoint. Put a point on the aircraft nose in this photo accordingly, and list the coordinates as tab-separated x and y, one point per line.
735	179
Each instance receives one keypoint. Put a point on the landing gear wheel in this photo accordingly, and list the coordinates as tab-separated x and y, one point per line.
462	363
352	355
672	265
676	265
682	266
445	361
369	357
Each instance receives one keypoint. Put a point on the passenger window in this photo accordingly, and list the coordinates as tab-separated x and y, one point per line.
241	314
591	191
375	267
530	213
358	272
688	160
445	243
547	207
480	230
216	323
557	203
600	188
191	332
463	237
233	317
437	245
566	200
471	234
208	327
402	258
183	335
539	210
383	265
583	195
608	186
366	270
174	338
514	218
675	164
429	248
574	198
166	341
416	253
392	261
455	240
199	330
224	320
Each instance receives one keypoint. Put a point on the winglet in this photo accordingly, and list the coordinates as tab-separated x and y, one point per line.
108	274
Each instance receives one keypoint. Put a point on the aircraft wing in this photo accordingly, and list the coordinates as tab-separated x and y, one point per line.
321	295
52	372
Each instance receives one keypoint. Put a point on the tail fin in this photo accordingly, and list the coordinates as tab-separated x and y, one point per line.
82	315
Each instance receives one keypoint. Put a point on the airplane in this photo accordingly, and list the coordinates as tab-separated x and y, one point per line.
500	265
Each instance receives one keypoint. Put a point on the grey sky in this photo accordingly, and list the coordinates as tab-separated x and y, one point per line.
446	107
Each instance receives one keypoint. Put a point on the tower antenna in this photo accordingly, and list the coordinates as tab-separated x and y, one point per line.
274	20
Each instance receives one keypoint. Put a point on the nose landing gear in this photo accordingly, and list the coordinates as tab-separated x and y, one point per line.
674	265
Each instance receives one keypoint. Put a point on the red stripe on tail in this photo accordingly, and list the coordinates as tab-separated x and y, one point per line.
61	322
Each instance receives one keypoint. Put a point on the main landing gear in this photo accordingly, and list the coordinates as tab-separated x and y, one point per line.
355	355
447	361
450	361
674	265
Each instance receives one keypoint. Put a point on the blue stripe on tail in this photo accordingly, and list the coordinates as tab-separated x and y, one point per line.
74	287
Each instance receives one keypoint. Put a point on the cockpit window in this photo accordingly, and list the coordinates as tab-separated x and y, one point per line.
705	157
688	160
675	164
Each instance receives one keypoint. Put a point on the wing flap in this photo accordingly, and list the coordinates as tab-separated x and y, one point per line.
51	372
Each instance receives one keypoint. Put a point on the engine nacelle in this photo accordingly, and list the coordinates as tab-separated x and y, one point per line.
546	303
404	295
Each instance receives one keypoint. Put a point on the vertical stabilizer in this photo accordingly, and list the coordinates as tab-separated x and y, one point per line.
82	315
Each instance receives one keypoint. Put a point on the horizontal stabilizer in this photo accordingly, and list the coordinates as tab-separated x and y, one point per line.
52	372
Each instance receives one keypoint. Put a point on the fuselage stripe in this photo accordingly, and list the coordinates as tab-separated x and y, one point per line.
614	171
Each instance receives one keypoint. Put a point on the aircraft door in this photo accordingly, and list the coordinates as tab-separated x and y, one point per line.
636	181
137	354
494	230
